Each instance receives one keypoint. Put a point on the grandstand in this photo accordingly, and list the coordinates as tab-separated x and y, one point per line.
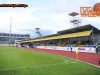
83	36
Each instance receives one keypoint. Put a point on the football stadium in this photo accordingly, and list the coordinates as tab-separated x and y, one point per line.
73	51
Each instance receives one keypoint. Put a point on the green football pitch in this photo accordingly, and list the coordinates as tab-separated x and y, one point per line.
18	61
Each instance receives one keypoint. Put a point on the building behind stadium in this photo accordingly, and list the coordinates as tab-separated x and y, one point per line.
5	38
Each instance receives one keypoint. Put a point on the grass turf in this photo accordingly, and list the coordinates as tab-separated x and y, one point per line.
17	61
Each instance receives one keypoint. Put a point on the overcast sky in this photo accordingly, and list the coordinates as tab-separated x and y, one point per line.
49	15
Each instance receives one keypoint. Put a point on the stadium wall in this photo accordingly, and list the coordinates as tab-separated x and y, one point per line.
80	49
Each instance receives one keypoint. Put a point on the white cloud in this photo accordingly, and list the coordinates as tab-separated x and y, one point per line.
61	21
67	6
92	19
19	17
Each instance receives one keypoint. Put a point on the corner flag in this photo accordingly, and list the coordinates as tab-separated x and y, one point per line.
77	52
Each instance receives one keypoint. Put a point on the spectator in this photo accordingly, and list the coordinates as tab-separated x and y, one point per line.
96	48
71	48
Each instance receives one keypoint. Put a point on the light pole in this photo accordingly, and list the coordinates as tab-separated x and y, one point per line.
10	31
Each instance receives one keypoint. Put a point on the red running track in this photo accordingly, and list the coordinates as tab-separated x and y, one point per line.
82	56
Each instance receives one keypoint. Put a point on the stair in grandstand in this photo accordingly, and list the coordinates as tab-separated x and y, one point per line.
78	44
59	44
75	45
63	44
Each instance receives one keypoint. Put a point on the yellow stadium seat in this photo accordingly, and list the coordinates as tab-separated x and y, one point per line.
64	43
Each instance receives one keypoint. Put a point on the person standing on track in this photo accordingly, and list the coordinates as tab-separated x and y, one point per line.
71	48
96	48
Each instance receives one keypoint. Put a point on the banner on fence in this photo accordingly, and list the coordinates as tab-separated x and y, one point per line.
80	49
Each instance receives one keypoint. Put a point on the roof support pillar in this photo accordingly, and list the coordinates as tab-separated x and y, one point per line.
93	35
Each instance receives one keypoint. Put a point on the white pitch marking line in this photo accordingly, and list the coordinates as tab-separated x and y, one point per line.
80	61
65	62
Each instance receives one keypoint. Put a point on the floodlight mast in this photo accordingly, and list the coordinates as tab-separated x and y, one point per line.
76	21
38	32
10	32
